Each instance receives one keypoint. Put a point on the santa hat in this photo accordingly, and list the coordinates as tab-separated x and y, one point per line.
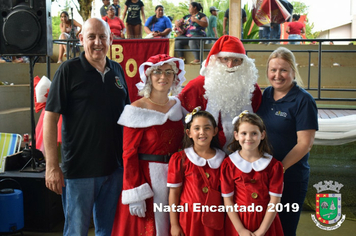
226	46
159	60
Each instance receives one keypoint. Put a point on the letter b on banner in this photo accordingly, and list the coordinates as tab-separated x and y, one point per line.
26	28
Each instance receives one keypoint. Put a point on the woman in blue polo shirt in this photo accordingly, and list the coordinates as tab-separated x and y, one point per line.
291	119
158	25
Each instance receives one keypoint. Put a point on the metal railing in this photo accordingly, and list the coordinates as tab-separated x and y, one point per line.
319	52
71	43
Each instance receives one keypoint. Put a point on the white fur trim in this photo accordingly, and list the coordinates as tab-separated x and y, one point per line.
231	54
136	117
140	193
227	194
213	162
246	166
158	174
170	185
275	194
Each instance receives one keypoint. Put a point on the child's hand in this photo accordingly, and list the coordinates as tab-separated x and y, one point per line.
259	232
246	232
176	230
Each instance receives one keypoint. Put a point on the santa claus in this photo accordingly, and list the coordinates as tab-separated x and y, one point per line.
227	85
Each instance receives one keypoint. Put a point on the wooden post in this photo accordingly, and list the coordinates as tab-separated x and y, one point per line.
235	18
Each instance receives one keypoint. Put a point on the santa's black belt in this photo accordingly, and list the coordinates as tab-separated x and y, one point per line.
151	157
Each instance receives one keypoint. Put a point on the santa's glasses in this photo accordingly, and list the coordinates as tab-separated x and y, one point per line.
231	61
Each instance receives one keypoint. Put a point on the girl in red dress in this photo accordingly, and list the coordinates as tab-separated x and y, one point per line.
251	181
153	130
188	185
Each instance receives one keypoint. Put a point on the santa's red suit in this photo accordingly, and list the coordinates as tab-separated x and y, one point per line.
196	87
244	84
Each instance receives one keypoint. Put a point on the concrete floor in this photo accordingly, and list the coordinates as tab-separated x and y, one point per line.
306	227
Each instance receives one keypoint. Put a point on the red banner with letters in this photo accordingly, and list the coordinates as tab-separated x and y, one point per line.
131	53
271	11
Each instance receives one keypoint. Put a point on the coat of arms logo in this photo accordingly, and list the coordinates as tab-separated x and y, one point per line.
328	206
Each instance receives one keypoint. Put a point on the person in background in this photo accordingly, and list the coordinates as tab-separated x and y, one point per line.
212	31
153	131
226	22
90	92
295	29
291	118
251	176
116	25
264	33
158	25
189	173
104	8
226	65
115	3
67	26
192	25
132	9
12	59
275	32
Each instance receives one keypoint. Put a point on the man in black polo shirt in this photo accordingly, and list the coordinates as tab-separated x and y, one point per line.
90	93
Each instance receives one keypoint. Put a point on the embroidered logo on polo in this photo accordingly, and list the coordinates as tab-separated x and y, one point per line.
281	113
118	82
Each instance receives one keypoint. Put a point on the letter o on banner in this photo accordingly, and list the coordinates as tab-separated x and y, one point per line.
131	73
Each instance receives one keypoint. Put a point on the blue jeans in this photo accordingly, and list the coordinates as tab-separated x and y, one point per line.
193	44
264	32
85	197
275	32
294	36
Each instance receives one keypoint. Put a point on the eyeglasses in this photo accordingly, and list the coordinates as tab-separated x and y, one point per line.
235	61
111	9
160	72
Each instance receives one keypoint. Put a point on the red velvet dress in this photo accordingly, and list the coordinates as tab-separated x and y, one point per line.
147	132
193	183
252	183
192	96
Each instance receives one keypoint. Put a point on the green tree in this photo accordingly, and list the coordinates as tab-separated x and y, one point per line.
84	8
250	28
56	31
302	9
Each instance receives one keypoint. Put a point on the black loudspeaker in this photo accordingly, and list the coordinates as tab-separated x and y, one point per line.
26	28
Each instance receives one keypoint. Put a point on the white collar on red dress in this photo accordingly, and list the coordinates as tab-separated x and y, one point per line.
246	166
214	162
137	117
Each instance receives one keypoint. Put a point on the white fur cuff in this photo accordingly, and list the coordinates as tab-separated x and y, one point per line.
136	194
227	194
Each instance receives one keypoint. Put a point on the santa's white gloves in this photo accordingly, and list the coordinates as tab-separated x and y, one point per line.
138	208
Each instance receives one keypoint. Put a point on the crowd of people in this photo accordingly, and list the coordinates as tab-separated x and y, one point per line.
148	167
132	22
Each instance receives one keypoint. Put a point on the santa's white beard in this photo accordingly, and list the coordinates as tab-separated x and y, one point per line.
229	90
